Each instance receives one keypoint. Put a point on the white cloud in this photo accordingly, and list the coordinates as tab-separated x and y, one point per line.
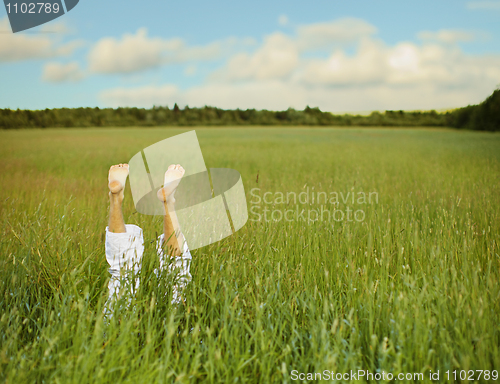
368	66
448	36
404	63
58	27
280	95
432	74
140	97
252	95
210	51
138	52
484	5
436	61
279	55
19	47
283	20
270	94
132	53
337	32
277	58
58	73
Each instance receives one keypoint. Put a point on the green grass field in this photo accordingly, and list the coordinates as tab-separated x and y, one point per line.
413	287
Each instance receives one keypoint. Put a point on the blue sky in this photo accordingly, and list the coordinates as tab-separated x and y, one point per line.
341	56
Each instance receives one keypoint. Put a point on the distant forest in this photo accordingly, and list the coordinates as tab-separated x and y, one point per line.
484	116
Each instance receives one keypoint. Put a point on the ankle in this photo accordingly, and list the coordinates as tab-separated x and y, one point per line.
115	198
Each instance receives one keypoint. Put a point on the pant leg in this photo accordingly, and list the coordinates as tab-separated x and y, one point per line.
124	255
178	268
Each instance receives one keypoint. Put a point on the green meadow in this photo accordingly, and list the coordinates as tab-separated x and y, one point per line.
407	284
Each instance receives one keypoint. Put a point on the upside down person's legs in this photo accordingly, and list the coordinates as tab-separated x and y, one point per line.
125	244
172	242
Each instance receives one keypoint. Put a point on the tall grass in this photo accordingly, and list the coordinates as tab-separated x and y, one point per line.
414	287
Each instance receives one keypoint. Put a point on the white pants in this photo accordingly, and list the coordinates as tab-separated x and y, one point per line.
124	255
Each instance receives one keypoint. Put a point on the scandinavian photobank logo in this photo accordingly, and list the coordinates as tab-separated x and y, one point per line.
209	205
25	14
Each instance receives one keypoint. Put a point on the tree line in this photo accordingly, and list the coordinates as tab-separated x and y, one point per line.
485	116
482	117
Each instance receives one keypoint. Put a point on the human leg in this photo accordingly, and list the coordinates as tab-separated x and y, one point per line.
116	183
124	242
172	242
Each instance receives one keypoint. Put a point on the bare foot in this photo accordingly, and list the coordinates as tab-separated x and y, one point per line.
117	178
173	177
